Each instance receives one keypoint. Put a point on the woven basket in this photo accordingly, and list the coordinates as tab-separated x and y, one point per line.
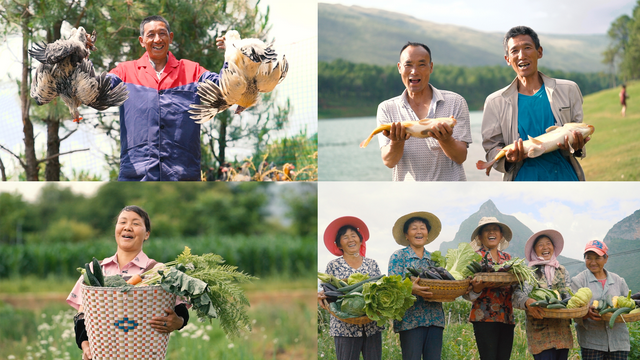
498	278
361	320
444	290
565	313
117	323
626	318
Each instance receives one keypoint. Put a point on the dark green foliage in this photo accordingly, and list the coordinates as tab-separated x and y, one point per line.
345	86
16	323
261	256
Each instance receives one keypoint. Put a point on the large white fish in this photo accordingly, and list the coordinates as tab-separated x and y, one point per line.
420	129
544	143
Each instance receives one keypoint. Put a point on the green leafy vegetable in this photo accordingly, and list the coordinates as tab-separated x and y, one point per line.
387	298
458	259
353	304
356	278
438	259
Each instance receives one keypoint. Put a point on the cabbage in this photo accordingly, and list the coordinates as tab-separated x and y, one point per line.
438	259
458	259
353	304
356	278
387	298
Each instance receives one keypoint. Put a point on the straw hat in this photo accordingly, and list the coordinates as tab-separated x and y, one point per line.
332	230
433	220
507	234
556	239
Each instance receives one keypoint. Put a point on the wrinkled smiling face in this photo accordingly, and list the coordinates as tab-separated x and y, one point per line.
130	231
417	234
415	68
491	235
156	40
523	56
594	262
544	248
350	242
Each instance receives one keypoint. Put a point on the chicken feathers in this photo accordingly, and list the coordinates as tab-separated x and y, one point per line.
252	68
65	71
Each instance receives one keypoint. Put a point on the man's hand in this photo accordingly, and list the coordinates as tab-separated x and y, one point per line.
396	133
442	132
578	141
516	154
220	43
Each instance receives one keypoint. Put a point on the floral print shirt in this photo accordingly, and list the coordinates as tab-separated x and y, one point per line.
544	334
340	269
493	304
421	313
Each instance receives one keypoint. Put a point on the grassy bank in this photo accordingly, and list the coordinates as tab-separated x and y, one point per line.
614	151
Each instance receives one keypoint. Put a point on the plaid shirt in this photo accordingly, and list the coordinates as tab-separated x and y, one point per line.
493	304
423	159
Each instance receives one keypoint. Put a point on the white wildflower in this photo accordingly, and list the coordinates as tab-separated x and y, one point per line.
206	337
275	341
231	346
11	357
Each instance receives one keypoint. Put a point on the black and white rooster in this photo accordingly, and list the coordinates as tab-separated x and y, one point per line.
253	68
66	71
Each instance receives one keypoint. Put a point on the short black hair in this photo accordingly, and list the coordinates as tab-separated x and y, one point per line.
149	19
520	30
409	43
482	228
343	230
405	227
140	211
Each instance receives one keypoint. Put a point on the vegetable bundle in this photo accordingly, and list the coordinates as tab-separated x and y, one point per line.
617	306
515	266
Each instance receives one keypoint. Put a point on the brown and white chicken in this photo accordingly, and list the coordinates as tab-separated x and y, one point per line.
65	71
253	68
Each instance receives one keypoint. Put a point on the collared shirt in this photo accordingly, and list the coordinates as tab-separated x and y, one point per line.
159	140
421	313
158	73
340	269
110	266
424	159
492	304
597	335
544	334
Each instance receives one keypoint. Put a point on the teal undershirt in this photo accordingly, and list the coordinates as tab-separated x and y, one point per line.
534	117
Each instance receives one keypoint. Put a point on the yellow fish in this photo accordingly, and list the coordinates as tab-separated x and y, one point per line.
420	129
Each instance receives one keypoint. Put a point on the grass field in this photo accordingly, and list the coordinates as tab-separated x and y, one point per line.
39	324
614	150
459	341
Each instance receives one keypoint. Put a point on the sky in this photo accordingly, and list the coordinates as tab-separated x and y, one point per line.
579	211
544	16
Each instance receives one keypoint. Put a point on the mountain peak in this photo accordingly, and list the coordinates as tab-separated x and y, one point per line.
489	208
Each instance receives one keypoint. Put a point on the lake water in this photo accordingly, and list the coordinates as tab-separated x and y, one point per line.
340	158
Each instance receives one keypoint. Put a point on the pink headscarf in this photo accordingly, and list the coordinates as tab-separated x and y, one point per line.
550	265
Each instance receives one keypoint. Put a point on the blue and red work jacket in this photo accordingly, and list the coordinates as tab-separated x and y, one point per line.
159	141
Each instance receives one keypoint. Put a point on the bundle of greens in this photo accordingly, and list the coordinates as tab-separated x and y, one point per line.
210	286
387	298
458	259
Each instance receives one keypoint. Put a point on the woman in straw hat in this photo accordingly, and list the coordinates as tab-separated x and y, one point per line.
422	326
132	229
596	339
548	338
492	310
346	237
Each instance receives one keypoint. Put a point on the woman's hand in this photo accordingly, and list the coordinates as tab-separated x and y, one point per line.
321	300
421	291
86	351
220	43
535	311
593	315
166	324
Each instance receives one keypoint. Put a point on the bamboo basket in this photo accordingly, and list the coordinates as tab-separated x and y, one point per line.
625	318
565	313
444	290
498	278
117	323
355	321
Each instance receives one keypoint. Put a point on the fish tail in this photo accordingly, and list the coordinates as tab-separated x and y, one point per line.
378	130
365	142
481	165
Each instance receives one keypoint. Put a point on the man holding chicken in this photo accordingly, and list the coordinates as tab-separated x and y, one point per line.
526	108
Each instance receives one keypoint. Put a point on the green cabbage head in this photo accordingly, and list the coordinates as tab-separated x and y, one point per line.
387	298
353	304
356	278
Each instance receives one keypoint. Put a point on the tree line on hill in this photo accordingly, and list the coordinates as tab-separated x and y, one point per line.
344	86
623	53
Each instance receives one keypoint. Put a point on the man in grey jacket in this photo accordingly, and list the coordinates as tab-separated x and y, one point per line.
521	110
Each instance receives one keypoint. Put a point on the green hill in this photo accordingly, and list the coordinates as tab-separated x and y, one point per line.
373	36
614	151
